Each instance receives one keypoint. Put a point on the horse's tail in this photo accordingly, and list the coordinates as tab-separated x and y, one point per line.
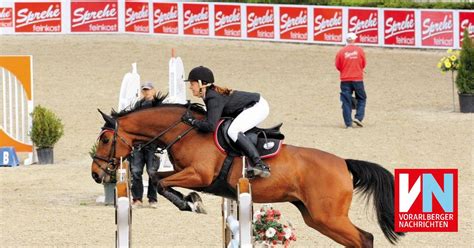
374	180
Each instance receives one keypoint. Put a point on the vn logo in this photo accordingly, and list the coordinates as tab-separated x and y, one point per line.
426	200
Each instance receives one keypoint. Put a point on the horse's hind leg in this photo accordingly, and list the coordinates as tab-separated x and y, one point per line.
339	228
369	238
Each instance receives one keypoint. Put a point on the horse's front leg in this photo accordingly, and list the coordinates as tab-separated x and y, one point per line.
186	178
189	177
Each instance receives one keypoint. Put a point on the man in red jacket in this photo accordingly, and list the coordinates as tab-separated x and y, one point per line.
350	62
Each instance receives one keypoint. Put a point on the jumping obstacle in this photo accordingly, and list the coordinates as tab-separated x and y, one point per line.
16	77
177	86
129	89
123	208
129	93
237	215
176	94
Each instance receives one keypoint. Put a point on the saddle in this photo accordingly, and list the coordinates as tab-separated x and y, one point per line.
268	141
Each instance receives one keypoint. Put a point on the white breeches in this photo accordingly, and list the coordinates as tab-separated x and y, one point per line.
249	118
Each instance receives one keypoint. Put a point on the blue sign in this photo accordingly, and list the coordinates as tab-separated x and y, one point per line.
8	157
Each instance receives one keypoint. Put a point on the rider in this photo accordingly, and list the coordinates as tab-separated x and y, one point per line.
249	109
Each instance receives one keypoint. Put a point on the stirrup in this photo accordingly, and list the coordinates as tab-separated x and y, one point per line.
259	169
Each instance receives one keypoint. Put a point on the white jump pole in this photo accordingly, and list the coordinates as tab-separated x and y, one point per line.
123	210
245	217
238	227
230	223
244	200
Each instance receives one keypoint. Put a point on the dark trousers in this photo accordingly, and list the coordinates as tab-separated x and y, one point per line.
347	88
146	156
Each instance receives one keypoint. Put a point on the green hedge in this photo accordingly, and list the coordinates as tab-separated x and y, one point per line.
364	3
465	76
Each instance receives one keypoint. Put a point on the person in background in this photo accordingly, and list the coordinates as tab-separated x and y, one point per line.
144	155
350	62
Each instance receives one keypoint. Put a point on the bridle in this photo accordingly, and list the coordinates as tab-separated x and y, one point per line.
112	161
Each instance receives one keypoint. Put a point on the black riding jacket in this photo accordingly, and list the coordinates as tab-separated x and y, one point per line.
218	106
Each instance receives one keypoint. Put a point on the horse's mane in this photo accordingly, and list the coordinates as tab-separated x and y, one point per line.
159	100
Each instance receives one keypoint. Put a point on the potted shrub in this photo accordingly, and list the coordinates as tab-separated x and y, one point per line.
465	76
46	130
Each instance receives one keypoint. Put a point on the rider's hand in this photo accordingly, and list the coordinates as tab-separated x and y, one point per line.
188	119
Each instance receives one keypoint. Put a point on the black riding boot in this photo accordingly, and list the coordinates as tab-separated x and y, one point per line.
258	167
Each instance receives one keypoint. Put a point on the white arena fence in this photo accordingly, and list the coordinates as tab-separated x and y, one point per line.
386	27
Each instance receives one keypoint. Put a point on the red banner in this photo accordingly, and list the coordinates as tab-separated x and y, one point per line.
196	19
399	27
165	18
38	17
293	23
94	16
6	17
466	20
364	23
227	20
437	28
260	22
327	25
137	17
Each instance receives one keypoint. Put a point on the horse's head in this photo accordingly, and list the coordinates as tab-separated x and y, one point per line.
112	145
161	123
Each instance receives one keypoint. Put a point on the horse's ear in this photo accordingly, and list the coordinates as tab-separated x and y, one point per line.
108	119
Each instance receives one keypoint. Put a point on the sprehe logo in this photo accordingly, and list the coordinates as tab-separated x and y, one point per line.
426	200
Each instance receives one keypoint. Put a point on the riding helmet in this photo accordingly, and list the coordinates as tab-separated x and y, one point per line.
201	73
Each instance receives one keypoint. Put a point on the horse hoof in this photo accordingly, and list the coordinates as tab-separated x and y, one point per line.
200	208
193	197
196	201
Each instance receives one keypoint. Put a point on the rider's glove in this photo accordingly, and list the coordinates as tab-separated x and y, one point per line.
188	119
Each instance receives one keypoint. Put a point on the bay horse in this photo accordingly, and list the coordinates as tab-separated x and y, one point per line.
319	184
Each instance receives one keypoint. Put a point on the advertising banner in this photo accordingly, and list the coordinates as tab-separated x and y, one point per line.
399	27
6	17
466	21
437	28
165	18
327	24
365	24
137	17
94	16
260	22
294	23
38	17
227	20
414	28
196	19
